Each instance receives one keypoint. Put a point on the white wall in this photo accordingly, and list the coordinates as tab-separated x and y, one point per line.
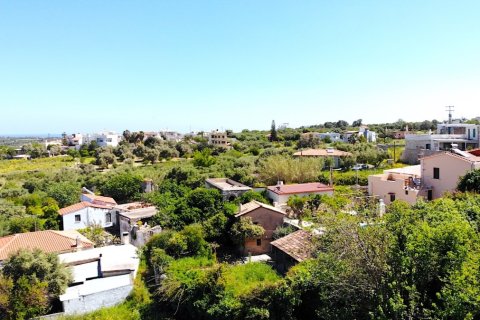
451	169
282	199
380	186
88	216
92	302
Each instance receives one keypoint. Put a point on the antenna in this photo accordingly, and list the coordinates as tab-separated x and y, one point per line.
450	110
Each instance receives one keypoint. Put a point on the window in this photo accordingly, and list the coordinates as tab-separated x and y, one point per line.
259	242
474	133
78	218
392	197
406	192
108	217
428	146
436	173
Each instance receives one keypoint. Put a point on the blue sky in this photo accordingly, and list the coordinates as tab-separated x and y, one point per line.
84	66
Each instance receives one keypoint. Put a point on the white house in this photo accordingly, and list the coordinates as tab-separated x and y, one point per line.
84	214
333	136
280	193
104	139
436	174
103	277
464	136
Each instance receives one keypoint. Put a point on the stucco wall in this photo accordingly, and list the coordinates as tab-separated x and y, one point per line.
379	185
96	301
88	216
451	169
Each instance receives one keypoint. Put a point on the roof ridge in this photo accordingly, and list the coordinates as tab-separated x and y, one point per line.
453	155
64	234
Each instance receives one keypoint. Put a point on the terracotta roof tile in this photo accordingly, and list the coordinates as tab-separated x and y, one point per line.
47	241
253	205
100	199
312	187
81	205
297	245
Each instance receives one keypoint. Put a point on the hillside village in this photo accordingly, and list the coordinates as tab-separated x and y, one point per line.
332	221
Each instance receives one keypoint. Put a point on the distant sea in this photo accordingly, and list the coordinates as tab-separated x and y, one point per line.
32	135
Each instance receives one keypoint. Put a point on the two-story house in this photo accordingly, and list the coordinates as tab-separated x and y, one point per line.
436	174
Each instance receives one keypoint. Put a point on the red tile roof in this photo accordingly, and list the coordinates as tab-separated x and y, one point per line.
81	205
475	152
297	245
47	241
322	153
100	199
253	205
312	187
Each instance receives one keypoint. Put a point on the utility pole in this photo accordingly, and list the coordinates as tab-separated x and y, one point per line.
394	152
450	110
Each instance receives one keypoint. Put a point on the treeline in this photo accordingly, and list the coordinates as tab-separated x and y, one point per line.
420	262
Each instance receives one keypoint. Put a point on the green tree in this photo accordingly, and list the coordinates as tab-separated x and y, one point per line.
65	193
273	132
203	158
32	279
298	206
123	186
244	229
470	182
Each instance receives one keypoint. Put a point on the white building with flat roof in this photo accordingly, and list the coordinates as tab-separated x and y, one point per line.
103	277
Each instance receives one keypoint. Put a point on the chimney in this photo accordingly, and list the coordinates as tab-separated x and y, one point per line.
78	243
147	185
85	190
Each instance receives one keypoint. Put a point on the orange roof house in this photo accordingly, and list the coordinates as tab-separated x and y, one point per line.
333	154
50	241
280	193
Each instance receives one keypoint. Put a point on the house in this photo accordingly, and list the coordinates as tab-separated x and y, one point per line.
103	277
229	188
398	184
49	241
280	193
370	136
171	136
463	135
335	155
152	134
333	136
92	210
443	170
75	139
83	214
218	139
104	139
291	249
436	174
89	196
266	216
133	222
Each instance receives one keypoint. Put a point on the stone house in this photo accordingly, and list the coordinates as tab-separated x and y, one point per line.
270	218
